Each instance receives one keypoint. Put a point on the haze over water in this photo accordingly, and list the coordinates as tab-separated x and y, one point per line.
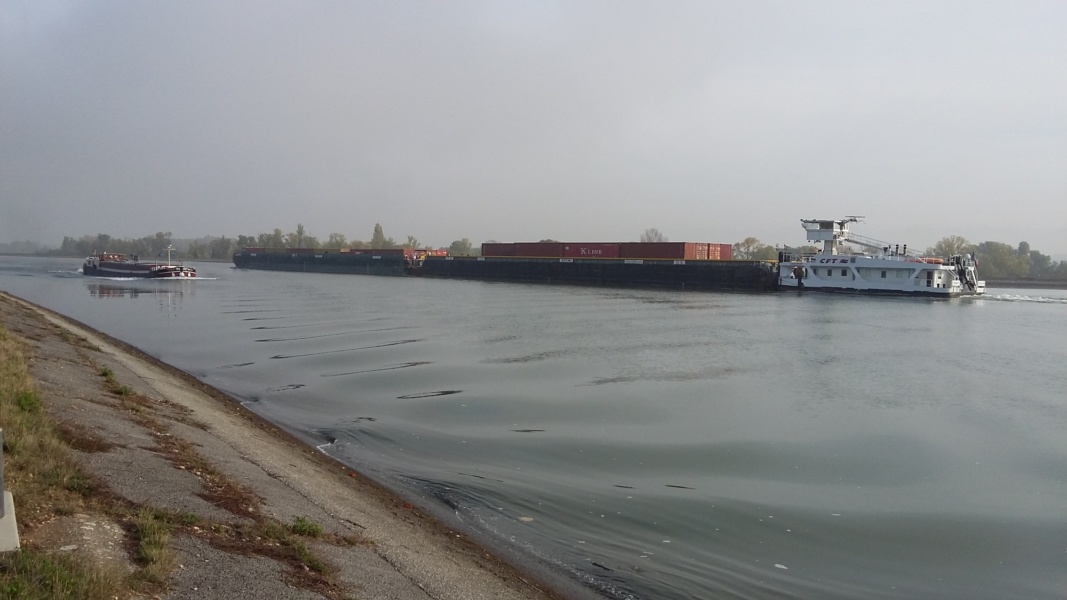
654	444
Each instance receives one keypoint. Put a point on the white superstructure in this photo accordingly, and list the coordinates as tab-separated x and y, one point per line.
880	268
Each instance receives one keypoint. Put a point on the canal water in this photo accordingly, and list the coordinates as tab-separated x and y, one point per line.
654	444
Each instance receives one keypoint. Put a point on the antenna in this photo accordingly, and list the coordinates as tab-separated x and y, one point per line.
853	218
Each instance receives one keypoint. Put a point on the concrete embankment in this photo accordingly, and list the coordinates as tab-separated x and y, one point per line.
154	437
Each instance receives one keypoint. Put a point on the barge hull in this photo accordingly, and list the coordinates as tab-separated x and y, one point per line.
346	263
708	275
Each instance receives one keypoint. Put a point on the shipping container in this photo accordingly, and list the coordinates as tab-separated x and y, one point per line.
726	251
498	249
537	249
302	251
591	250
665	250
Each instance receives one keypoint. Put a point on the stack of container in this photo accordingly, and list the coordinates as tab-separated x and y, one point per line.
625	250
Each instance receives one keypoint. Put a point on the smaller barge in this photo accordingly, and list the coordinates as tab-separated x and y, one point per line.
667	265
114	264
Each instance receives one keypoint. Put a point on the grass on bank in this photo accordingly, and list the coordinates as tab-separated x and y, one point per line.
45	482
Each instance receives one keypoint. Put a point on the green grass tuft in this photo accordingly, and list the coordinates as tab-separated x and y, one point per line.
28	402
306	527
29	575
157	557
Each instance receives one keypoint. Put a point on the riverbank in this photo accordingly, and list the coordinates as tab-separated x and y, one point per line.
247	510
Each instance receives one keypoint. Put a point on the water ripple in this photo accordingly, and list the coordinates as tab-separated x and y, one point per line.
325	352
378	369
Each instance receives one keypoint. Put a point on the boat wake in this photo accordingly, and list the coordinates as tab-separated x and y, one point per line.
154	279
1024	298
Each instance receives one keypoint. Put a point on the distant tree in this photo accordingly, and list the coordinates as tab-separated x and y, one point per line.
1041	265
1024	248
358	245
950	246
246	241
336	241
378	239
195	250
276	239
412	243
295	239
460	247
159	243
997	260
752	249
765	252
653	235
545	241
221	247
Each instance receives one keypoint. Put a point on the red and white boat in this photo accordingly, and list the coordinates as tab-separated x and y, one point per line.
113	264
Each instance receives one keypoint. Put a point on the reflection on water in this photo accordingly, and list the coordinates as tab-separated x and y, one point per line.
112	290
168	293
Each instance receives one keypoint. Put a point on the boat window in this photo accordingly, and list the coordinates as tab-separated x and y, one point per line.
815	270
883	274
844	272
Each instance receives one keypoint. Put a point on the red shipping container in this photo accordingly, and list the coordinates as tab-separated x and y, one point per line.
590	250
726	251
550	249
498	249
665	250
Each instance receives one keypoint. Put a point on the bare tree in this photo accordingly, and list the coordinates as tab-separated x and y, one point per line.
653	235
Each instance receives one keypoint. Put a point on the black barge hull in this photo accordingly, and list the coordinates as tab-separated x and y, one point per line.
325	262
704	275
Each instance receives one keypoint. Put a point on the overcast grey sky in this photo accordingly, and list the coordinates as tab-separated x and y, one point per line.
576	120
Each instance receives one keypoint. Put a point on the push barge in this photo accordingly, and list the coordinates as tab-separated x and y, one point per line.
668	265
878	268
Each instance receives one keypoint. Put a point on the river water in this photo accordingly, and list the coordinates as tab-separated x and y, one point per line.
654	444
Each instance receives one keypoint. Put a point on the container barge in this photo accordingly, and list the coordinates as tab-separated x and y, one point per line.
668	265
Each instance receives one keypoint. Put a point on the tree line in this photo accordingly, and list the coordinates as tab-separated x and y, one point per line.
224	247
997	260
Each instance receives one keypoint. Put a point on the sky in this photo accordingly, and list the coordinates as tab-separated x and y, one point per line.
575	120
